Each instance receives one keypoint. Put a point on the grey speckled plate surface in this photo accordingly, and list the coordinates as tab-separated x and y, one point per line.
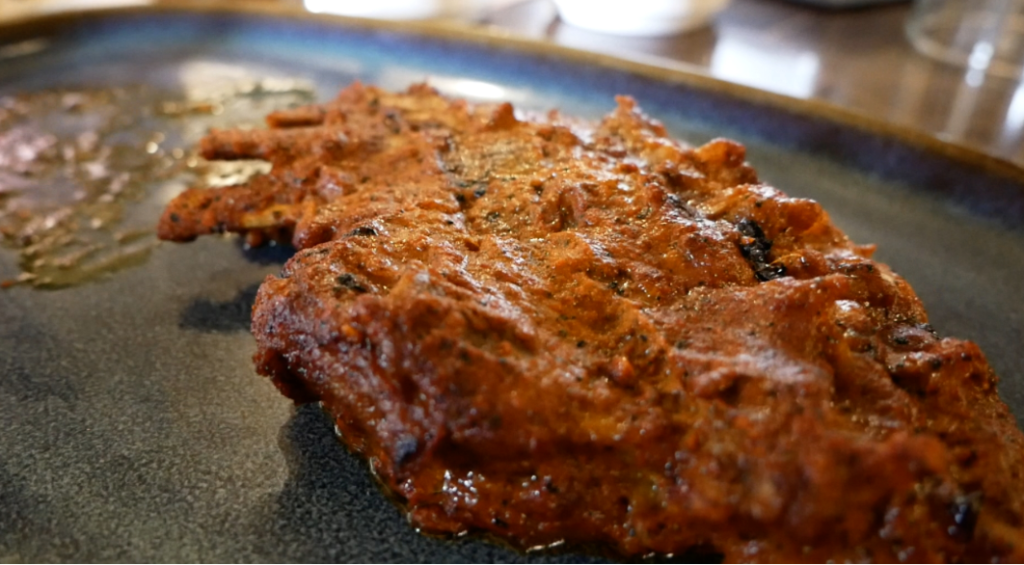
132	424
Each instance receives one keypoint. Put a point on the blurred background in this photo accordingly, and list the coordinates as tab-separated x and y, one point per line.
950	68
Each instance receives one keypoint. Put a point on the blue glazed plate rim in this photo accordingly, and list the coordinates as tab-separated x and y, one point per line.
650	67
989	187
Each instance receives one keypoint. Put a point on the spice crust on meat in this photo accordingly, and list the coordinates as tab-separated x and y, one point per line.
551	330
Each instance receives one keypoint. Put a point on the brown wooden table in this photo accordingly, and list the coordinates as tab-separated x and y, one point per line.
857	59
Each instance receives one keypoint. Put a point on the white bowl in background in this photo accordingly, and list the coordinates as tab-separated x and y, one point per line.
639	17
398	9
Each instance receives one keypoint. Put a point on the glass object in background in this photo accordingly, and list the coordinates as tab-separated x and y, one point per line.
986	36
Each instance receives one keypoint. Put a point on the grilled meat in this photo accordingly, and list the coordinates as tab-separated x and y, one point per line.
556	331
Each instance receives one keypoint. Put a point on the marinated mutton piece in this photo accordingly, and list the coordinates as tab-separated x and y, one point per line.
554	331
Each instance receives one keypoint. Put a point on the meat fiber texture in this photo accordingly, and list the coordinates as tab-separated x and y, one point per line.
553	331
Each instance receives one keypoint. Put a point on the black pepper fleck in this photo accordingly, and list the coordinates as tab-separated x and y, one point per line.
366	231
756	252
349	281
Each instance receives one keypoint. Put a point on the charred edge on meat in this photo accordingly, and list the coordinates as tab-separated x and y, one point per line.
405	449
756	252
965	511
364	231
349	282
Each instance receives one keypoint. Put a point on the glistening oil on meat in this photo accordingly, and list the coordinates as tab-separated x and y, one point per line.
554	331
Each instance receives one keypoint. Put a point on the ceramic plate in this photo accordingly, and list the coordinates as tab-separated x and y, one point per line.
132	424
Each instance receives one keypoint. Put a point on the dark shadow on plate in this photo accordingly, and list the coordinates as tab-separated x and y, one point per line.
36	385
271	254
206	315
233	315
30	530
29	374
332	510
